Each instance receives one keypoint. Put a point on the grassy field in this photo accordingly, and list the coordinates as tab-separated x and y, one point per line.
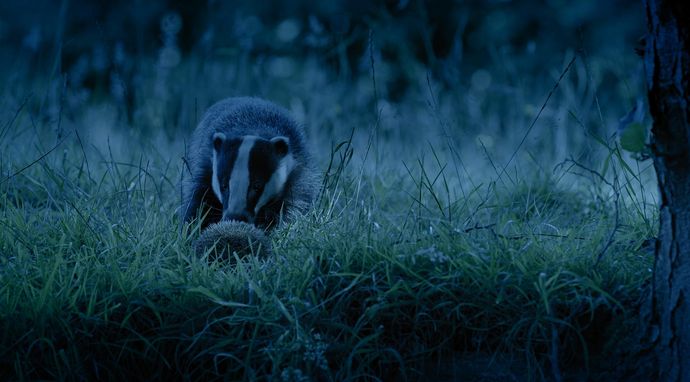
490	232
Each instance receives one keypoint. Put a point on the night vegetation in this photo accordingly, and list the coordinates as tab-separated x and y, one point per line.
479	217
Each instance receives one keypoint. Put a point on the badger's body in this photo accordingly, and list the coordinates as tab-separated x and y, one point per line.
248	161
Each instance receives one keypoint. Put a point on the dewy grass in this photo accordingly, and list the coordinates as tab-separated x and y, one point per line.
97	280
405	266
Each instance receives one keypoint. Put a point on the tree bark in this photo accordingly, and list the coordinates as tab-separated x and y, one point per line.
667	67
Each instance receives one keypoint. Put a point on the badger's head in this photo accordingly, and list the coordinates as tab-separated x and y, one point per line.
249	173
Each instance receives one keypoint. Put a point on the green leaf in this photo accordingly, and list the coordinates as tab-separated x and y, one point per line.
634	137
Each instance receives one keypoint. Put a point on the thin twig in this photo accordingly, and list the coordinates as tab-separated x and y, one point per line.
374	131
479	227
83	151
536	118
490	228
615	188
86	222
6	128
583	167
37	160
616	224
371	61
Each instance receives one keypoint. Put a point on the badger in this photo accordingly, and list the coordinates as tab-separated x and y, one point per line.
248	161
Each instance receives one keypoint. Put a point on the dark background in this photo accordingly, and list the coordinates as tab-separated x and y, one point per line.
159	64
446	223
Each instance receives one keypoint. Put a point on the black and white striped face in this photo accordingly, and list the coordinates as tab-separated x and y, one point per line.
248	173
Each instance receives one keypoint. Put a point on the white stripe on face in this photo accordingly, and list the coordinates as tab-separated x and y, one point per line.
215	183
275	184
239	177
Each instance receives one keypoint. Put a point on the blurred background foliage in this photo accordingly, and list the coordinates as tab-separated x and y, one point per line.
160	63
441	100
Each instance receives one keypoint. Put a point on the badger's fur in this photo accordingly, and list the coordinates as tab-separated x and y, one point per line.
248	161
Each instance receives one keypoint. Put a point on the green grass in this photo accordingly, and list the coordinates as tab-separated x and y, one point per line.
406	260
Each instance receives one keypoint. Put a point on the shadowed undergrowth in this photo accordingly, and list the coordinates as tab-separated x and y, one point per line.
97	281
422	256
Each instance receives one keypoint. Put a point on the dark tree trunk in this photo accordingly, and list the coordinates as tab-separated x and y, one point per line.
667	66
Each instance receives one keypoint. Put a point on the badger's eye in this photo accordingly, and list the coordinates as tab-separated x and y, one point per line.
224	187
256	186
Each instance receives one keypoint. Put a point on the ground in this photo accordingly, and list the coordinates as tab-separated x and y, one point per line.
493	230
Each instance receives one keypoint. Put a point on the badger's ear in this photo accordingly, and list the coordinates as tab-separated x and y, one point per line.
218	139
281	146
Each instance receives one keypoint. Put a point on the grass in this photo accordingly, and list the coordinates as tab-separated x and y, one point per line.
413	255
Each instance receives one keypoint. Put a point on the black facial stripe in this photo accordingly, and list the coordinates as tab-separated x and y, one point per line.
262	164
226	160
